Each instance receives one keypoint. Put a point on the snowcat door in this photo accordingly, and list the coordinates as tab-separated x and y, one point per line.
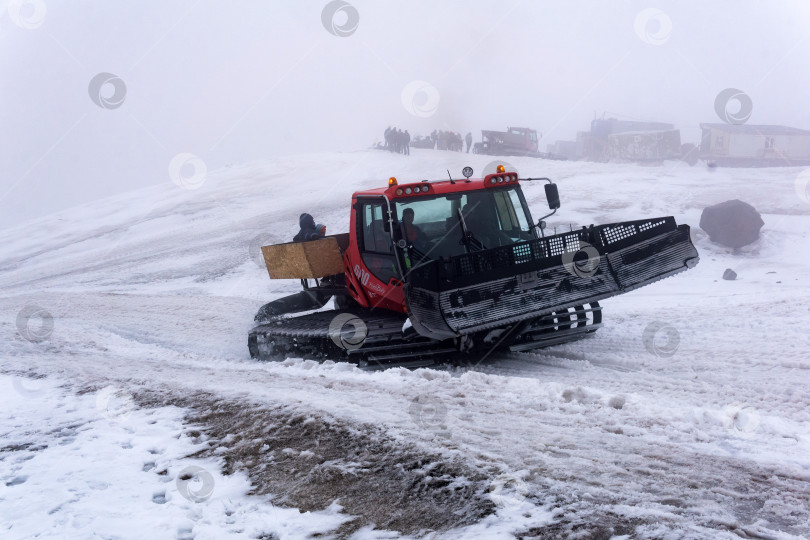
497	287
377	271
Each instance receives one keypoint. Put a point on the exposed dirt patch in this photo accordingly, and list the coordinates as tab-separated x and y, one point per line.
309	462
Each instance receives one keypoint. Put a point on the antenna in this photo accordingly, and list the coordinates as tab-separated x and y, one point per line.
451	177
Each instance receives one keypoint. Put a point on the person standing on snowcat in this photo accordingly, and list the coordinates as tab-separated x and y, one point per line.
309	297
309	230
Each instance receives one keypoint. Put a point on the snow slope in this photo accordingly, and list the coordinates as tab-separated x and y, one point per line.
699	430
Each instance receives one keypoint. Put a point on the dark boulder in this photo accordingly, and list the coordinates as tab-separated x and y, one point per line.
729	274
731	223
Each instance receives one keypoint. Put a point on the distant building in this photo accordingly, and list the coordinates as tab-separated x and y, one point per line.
754	146
571	150
647	146
602	127
645	141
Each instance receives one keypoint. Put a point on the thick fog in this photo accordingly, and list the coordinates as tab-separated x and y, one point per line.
236	81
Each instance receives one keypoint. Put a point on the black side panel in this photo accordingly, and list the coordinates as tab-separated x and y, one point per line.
653	258
426	313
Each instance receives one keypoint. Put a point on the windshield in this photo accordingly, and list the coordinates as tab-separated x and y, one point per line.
494	217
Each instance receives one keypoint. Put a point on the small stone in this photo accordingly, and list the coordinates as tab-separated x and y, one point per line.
617	402
729	274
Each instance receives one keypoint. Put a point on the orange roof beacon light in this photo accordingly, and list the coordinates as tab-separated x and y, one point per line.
392	181
500	168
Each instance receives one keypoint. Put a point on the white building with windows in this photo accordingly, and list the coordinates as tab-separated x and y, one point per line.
754	145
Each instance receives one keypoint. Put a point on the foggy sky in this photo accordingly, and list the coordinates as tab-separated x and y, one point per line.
238	81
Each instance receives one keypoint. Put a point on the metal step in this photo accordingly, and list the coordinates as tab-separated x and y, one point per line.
555	338
393	346
398	359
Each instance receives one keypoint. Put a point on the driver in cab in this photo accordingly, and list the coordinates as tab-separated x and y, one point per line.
413	234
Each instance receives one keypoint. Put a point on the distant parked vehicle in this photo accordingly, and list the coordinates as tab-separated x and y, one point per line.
515	141
422	142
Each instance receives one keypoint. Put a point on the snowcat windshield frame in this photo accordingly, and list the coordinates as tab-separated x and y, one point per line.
456	223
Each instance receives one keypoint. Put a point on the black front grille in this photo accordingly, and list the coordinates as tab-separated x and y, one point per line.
618	235
506	257
505	261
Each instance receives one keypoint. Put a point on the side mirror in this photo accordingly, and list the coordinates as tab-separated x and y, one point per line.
552	196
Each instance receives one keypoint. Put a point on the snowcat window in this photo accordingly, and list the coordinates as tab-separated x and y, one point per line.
427	211
374	236
517	216
496	217
506	212
377	252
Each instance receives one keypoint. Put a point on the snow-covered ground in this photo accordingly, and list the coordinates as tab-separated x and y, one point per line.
698	430
96	466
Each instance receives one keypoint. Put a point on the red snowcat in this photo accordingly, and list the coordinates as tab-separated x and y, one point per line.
456	269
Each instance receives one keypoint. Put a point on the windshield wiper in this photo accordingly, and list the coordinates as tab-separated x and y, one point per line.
418	253
467	237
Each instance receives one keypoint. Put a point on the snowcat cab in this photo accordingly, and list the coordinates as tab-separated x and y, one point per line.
459	266
450	218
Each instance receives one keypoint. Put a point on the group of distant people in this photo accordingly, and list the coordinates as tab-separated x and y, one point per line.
398	141
450	140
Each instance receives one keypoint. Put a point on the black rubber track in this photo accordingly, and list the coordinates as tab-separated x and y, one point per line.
376	338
